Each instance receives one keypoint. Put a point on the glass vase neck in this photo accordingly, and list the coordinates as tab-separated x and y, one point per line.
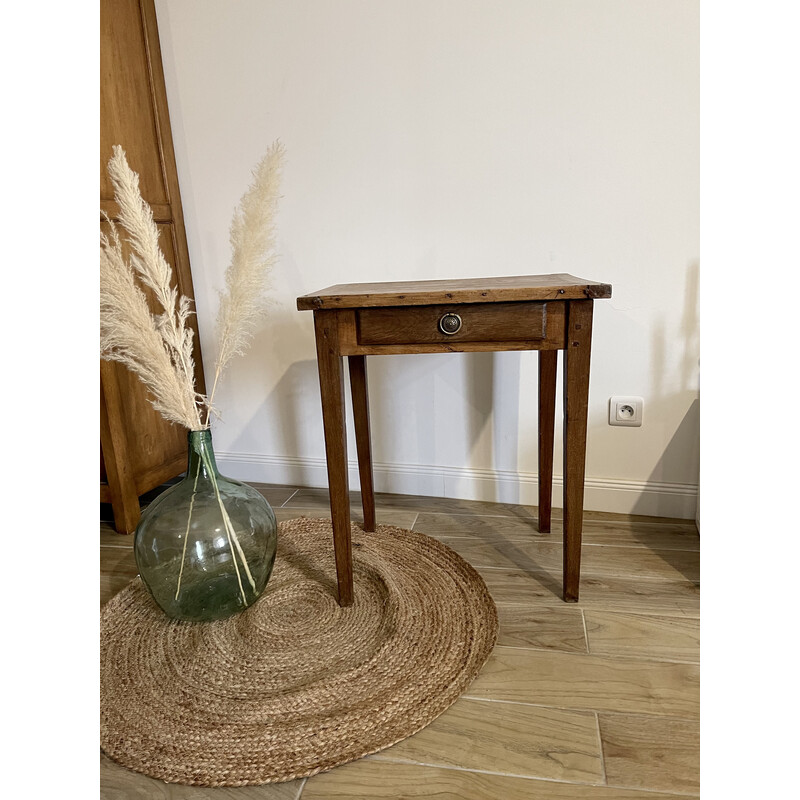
201	454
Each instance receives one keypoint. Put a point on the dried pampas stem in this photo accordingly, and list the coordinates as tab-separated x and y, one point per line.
158	348
152	268
252	238
130	335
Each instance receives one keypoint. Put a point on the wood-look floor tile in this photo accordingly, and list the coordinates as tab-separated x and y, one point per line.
655	535
118	783
384	516
545	627
508	738
613	633
371	779
640	673
497	551
631	532
600	683
681	535
276	496
483	527
452	505
535	555
651	752
502	553
530	513
117	570
641	562
614	593
110	538
107	526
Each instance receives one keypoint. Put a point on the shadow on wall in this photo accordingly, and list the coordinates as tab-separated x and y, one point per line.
682	452
684	444
487	388
280	415
383	377
683	448
492	384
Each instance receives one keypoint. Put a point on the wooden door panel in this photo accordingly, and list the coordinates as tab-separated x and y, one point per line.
139	449
127	109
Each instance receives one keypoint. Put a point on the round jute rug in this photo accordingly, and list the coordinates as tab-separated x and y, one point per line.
295	684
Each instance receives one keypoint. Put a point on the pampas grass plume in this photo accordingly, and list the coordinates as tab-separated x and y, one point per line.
252	238
158	347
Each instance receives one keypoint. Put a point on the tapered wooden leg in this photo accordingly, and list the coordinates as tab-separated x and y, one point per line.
576	405
358	389
548	360
331	384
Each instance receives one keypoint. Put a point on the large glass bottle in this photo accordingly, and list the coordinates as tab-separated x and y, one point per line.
205	547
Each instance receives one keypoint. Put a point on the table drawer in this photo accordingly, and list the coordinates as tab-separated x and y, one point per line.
441	324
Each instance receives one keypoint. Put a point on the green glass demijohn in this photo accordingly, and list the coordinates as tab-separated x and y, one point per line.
205	547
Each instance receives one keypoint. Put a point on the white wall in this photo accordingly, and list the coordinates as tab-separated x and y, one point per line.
445	139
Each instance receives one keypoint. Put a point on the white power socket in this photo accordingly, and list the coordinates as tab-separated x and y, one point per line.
626	411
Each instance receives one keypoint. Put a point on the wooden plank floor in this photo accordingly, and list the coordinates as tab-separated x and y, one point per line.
597	700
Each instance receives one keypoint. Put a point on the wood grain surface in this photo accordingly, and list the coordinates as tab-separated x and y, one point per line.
558	286
480	322
647	752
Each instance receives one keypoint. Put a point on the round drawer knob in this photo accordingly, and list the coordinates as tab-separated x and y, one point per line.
450	323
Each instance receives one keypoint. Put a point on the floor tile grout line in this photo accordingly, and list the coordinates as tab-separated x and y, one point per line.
461	513
618	517
379	758
397	760
625	657
586	711
655	521
600	746
675	613
559	603
591	574
532	523
668	792
543	539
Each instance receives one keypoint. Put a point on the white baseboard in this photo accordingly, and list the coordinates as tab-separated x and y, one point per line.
650	498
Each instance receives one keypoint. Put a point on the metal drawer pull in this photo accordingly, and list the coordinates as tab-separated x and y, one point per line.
450	323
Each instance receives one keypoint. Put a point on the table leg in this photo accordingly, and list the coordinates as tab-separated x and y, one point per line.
576	405
548	361
358	389
331	384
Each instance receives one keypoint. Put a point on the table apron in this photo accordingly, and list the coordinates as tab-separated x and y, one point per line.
548	333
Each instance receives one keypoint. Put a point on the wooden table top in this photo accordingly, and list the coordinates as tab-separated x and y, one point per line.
559	286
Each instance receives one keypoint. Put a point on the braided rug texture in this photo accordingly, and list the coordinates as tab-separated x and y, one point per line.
295	684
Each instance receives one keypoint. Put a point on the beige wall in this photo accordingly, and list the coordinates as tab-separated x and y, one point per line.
434	139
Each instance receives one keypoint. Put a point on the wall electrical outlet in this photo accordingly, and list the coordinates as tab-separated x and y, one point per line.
626	411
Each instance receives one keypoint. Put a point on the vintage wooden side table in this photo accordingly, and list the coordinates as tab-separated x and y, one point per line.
547	313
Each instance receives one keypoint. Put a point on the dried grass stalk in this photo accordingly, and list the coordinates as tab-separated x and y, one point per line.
130	334
252	238
152	268
158	347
